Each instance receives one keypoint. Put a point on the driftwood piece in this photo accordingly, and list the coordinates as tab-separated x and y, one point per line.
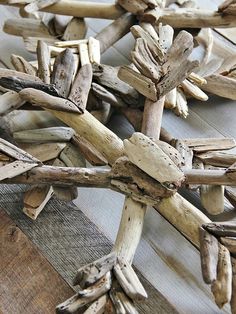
15	168
103	114
212	198
17	84
43	56
86	296
44	152
221	229
152	117
218	159
16	153
140	82
186	154
137	183
145	154
72	157
221	86
135	6
39	98
121	302
170	99
44	135
104	94
230	194
115	31
108	76
9	102
64	193
84	54
129	281
25	27
134	116
83	9
98	306
81	86
181	108
21	75
21	65
35	200
222	286
193	90
91	273
188	18
94	50
209	250
91	154
63	71
70	43
233	297
37	5
183	215
209	144
75	29
230	244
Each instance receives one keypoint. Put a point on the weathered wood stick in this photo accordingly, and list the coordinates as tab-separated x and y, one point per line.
89	274
86	296
17	84
221	229
98	306
15	168
91	154
43	56
26	27
230	243
81	86
204	144
212	198
186	154
37	5
82	9
189	18
129	281
39	98
21	75
211	177
115	31
63	71
233	297
121	303
9	102
184	216
219	159
230	194
75	29
64	176
152	117
222	286
104	94
21	65
209	249
221	86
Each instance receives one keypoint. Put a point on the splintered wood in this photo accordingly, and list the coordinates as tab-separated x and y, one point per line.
69	81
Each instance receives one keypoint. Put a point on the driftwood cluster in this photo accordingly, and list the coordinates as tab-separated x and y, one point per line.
68	81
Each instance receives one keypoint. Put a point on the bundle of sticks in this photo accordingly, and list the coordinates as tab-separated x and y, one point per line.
79	94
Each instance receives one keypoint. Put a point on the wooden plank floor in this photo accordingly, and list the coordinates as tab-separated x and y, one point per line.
29	283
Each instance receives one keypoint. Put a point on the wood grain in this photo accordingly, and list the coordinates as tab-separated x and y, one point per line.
29	283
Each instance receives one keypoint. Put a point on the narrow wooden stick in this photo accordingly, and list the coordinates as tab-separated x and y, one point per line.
82	9
212	177
189	18
115	31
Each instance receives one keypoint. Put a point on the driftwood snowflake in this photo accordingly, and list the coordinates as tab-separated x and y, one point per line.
68	81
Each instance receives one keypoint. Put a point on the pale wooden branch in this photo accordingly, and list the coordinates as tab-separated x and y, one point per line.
82	9
189	18
115	31
75	29
9	102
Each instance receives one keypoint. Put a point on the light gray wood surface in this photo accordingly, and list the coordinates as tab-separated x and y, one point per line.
166	259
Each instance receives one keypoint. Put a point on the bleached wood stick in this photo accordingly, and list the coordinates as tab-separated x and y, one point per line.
212	198
189	18
43	56
115	31
21	65
152	117
26	27
97	306
183	215
39	98
193	90
221	85
209	255
9	102
75	29
230	243
233	297
37	5
221	229
222	286
82	9
214	177
86	296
